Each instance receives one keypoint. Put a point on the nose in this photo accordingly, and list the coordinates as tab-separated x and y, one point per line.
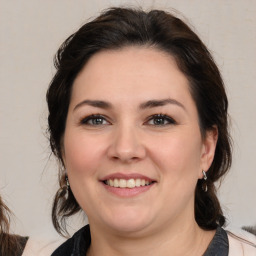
126	145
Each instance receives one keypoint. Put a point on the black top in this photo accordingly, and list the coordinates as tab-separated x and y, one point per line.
79	243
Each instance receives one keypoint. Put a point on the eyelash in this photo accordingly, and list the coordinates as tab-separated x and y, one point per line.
95	117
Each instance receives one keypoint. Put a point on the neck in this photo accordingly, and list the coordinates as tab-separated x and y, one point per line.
177	239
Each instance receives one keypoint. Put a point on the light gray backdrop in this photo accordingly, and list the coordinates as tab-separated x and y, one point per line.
30	33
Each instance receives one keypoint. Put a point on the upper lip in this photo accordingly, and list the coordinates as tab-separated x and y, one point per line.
126	176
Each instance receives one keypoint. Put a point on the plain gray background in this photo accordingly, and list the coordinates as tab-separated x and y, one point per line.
31	32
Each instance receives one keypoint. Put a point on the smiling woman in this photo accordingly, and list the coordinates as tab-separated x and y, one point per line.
138	120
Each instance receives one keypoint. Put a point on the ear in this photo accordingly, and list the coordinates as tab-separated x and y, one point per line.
208	149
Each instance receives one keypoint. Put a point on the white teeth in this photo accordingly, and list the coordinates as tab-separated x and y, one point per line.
111	183
131	183
116	183
137	183
122	183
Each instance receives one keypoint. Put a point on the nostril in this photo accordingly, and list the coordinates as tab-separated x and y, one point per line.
126	145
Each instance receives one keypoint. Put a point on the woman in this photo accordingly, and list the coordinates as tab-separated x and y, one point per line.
138	122
10	245
16	245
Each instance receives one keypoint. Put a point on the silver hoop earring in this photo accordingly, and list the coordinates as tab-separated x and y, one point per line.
204	186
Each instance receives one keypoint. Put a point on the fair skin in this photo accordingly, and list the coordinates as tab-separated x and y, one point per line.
132	117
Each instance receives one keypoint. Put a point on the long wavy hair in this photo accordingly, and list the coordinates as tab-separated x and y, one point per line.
9	244
117	28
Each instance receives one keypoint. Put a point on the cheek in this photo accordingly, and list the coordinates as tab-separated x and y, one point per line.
82	153
178	154
178	160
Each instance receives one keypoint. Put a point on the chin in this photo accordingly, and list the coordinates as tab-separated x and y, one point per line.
129	227
129	221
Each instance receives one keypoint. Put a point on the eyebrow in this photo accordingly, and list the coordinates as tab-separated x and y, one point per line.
144	105
94	103
160	103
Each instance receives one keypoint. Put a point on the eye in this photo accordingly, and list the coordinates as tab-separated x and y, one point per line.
95	120
160	120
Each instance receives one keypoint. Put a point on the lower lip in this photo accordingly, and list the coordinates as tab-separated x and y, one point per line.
128	192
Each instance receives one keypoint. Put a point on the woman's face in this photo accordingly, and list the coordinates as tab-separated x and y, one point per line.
132	144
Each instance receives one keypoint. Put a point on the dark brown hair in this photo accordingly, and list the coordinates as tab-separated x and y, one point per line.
9	244
120	27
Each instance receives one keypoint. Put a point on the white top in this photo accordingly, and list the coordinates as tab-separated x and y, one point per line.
36	247
241	243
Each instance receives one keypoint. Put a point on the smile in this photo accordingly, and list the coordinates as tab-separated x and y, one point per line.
130	183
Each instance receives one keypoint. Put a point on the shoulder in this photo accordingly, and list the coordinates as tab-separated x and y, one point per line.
40	247
76	245
241	242
15	244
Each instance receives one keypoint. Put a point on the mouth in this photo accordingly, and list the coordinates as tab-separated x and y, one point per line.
128	183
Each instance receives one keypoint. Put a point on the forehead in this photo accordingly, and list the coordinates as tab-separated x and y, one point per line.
131	72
